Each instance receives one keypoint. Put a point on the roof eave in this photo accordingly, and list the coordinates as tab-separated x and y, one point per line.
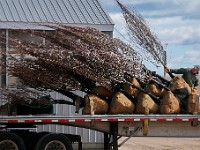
41	26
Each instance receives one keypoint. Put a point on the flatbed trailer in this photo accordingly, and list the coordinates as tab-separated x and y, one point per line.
113	127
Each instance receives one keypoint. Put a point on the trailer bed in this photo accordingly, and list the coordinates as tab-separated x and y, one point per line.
177	125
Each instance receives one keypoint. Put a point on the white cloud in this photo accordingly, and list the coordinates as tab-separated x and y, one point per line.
118	19
181	35
176	30
173	30
164	8
175	22
191	56
187	59
133	2
190	6
120	27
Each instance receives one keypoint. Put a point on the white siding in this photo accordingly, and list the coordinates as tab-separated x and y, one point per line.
90	136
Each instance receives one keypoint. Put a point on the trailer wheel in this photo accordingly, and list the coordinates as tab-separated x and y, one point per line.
11	141
54	142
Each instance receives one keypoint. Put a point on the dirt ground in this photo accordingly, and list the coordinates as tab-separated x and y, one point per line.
159	143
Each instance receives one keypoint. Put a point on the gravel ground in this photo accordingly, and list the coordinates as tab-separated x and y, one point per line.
159	143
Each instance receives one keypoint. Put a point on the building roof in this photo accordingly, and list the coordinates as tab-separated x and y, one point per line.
84	12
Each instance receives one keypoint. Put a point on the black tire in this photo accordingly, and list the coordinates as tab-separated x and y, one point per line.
54	142
11	141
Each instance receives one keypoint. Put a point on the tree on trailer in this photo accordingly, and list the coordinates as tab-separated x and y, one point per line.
100	64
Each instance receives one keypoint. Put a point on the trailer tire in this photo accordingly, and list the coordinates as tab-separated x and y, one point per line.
54	142
11	141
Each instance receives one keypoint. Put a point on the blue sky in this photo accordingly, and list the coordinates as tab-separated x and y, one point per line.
176	23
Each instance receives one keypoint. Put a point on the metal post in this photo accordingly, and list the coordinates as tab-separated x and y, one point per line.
106	141
114	132
165	58
165	62
195	123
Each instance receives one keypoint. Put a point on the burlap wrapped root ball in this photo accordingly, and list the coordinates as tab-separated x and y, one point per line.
101	91
146	105
129	88
169	104
153	89
193	102
121	104
95	105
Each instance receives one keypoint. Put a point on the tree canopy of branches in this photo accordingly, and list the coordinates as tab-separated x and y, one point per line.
140	34
72	57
